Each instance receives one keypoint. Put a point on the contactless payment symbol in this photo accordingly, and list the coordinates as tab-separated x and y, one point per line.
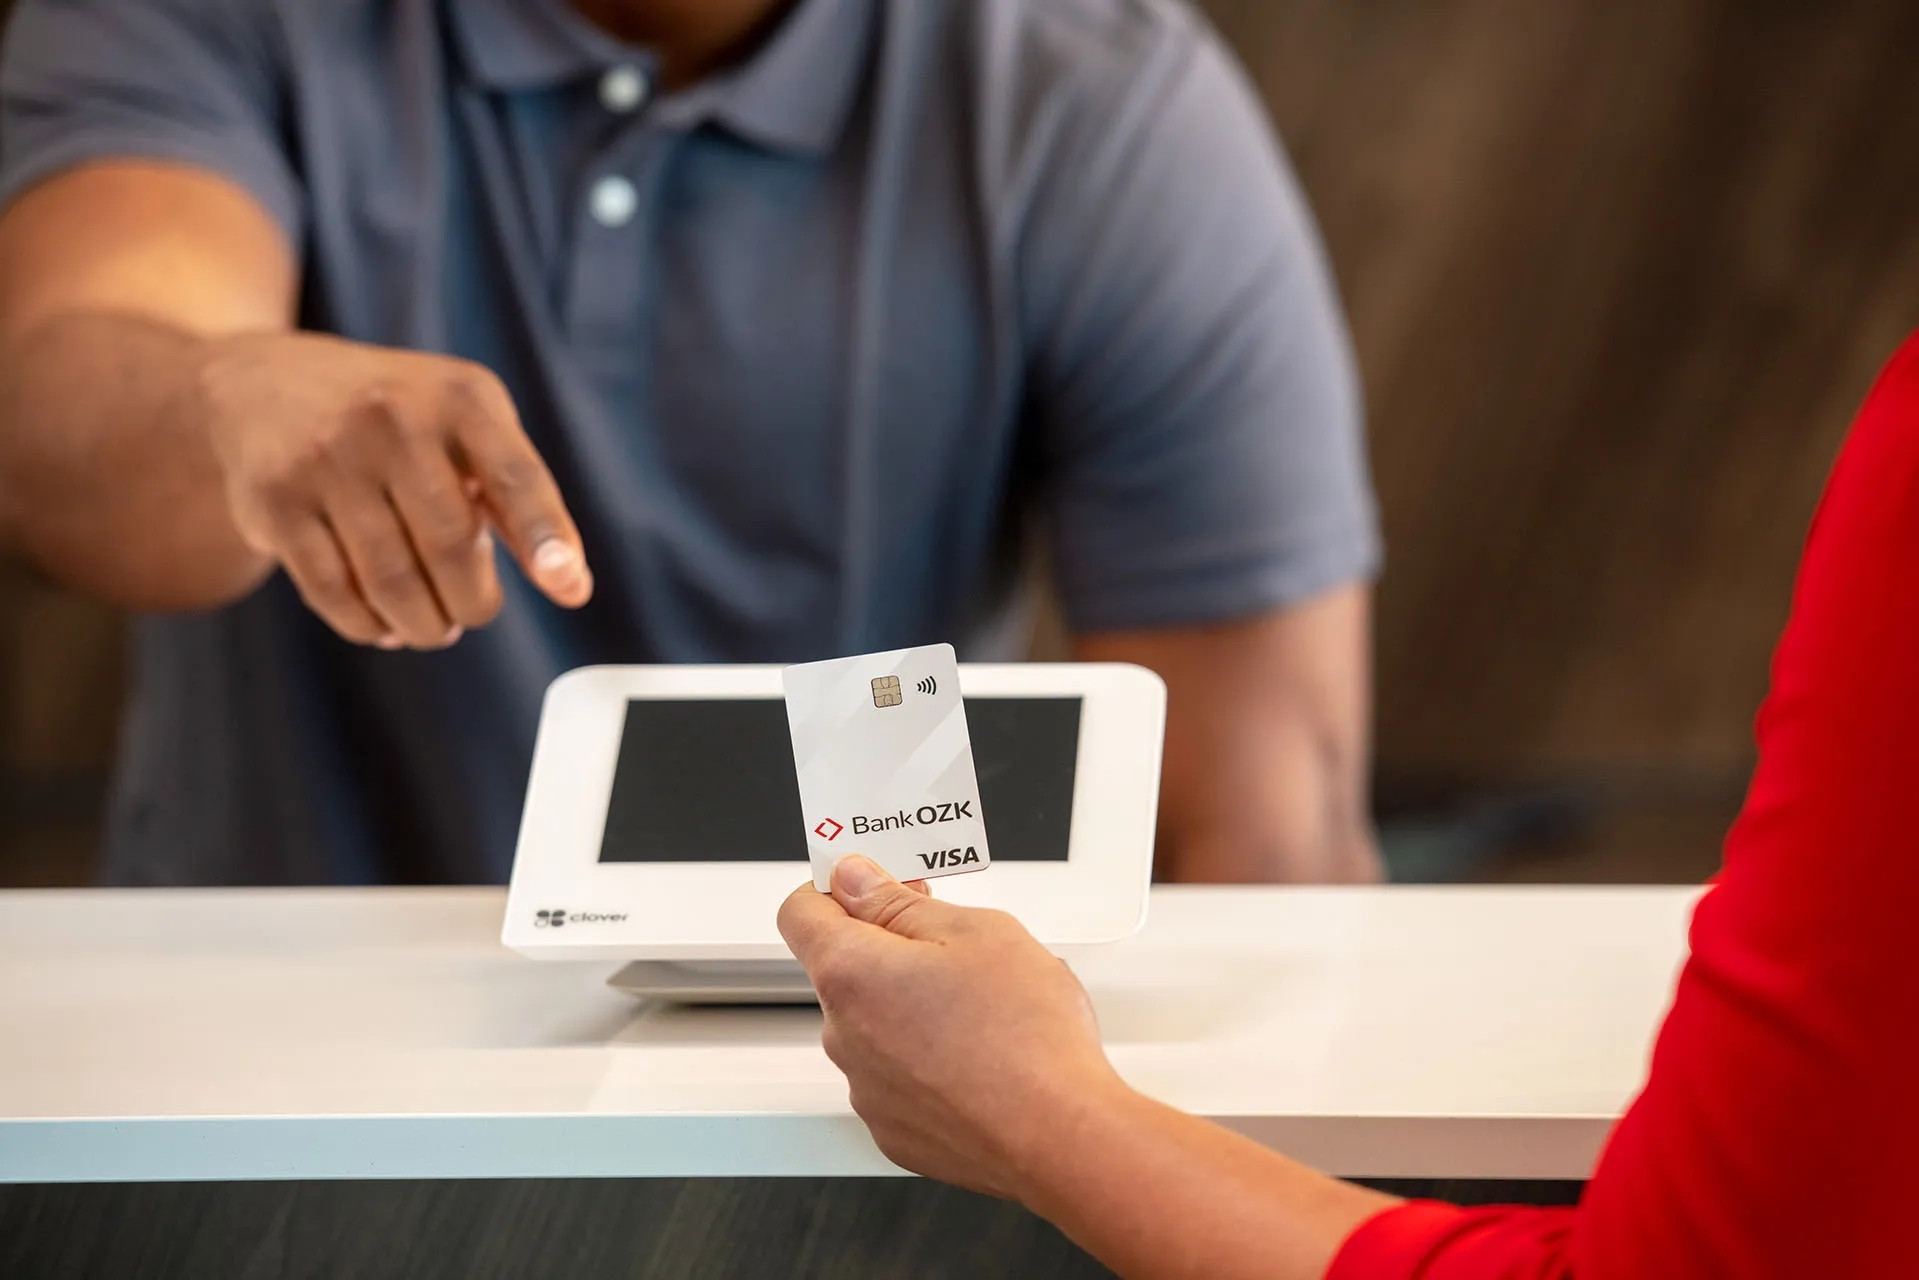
828	830
886	691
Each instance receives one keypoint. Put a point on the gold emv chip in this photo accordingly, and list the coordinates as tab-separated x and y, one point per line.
886	691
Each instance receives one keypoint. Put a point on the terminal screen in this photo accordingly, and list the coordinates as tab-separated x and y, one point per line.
711	780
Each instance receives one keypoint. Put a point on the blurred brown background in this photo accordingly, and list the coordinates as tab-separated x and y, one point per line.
1620	271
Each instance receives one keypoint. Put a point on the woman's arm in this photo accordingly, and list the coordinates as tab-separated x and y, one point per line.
974	1058
1119	1181
1778	1133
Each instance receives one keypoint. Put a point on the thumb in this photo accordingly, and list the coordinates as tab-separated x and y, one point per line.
864	890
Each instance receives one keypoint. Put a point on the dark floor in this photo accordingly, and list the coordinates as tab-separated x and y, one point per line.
742	1229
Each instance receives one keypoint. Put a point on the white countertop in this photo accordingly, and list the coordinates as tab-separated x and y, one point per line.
192	1035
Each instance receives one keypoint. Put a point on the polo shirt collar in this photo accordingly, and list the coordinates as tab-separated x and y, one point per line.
794	94
510	45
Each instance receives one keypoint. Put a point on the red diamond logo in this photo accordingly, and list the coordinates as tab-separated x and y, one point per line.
829	829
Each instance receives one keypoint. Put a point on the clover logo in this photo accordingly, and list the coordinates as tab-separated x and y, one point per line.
549	919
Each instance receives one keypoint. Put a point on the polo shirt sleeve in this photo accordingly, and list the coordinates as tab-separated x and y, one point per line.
192	82
1191	382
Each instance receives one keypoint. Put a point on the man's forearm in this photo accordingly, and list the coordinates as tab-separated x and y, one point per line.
1281	807
1265	775
108	482
1236	855
1159	1195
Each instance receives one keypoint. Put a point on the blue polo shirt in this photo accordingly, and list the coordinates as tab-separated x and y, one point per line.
815	348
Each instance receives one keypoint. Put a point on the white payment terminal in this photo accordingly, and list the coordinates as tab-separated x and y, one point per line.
663	823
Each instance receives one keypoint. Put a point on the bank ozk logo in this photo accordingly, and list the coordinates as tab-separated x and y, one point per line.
828	830
926	815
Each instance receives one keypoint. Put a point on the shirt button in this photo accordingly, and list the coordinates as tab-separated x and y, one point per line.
613	202
622	89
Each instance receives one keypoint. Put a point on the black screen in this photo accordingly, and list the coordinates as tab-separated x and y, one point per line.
712	780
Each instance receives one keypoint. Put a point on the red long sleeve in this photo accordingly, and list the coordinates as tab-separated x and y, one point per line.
1778	1132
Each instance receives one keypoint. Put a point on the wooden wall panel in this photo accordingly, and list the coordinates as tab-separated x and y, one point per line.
1620	273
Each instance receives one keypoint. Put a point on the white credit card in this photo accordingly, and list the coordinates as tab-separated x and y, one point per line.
885	763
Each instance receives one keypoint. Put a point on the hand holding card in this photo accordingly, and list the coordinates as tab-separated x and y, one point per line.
885	763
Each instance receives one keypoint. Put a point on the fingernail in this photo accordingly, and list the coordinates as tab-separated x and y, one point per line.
390	642
453	634
484	542
554	557
859	876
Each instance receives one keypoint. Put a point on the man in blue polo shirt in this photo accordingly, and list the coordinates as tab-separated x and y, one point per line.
394	356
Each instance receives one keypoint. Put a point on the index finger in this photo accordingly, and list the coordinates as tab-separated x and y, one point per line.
520	492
